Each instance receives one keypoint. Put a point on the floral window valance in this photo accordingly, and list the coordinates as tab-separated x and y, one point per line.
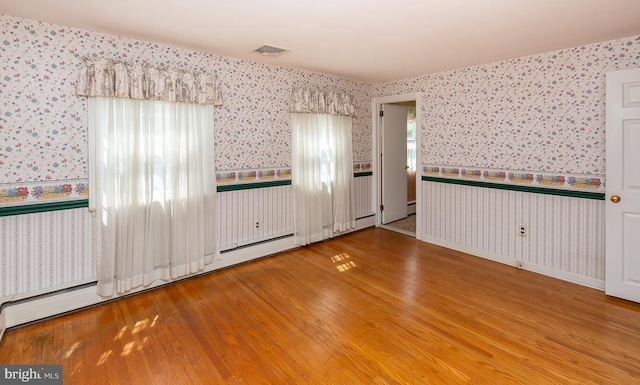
318	102
114	78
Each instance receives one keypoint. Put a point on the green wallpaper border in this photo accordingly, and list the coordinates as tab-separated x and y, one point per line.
251	186
361	174
43	207
512	187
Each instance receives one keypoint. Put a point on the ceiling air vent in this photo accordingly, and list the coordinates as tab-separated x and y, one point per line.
267	50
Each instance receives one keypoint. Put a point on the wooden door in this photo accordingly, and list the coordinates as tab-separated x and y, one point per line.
623	185
394	160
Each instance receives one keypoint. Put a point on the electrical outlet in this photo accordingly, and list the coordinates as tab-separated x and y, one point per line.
522	231
257	225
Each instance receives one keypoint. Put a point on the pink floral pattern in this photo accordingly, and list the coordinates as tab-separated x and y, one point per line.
42	192
43	127
543	112
245	176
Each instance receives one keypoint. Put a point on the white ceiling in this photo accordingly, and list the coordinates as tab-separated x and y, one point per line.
367	40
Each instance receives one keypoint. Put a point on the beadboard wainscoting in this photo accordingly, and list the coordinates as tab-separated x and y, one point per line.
45	255
45	251
254	215
562	236
250	216
363	196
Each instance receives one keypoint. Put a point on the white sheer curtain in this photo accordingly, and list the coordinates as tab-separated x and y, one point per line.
322	167
153	189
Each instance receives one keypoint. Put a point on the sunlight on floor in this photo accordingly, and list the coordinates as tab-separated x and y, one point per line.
340	257
104	357
120	334
139	327
71	350
344	266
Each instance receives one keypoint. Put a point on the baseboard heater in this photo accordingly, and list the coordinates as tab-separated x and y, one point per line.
237	246
39	297
45	295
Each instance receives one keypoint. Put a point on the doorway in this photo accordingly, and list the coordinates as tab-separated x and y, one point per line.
392	167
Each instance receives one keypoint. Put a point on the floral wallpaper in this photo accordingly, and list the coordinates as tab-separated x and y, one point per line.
541	115
544	112
43	127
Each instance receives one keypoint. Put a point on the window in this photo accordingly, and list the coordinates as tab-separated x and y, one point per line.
411	139
152	185
322	176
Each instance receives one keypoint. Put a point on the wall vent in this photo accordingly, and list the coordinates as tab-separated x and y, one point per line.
271	51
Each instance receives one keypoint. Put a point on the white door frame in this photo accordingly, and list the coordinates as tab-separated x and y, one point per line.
376	166
394	160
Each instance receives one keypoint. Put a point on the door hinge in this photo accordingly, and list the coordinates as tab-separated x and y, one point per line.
381	113
381	207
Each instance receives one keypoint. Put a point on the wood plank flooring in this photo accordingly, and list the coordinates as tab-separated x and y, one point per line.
372	307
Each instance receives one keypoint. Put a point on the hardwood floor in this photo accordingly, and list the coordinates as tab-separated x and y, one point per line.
372	307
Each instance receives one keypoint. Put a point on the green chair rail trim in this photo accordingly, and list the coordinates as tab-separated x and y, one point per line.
250	186
43	207
529	189
364	173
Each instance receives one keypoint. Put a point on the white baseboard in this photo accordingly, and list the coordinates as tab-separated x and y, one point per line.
249	253
365	222
566	276
48	306
511	261
47	290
